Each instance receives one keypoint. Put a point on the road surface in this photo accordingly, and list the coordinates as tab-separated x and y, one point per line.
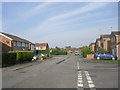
64	71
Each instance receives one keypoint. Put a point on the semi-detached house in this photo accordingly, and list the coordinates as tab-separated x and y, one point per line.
115	43
41	46
105	42
97	44
92	47
14	43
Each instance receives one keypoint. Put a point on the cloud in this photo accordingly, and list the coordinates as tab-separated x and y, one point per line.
52	21
84	9
35	10
66	28
60	0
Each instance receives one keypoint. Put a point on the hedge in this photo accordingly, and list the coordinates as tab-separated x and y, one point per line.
43	51
85	50
8	59
59	52
13	57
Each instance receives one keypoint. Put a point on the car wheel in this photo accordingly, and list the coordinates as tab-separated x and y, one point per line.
98	58
113	58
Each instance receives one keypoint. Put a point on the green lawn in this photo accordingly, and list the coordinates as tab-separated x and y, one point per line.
109	60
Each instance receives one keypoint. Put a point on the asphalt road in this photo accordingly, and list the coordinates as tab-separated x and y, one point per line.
65	71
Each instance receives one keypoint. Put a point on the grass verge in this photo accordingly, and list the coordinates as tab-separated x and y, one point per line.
108	60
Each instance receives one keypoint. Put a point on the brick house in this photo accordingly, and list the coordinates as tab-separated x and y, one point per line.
41	46
97	44
105	42
14	43
92	47
115	43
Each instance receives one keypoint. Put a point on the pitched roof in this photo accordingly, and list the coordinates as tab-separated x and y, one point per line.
115	32
97	39
105	36
92	44
40	44
16	38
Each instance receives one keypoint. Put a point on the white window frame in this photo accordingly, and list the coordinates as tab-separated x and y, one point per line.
15	43
23	44
18	43
26	44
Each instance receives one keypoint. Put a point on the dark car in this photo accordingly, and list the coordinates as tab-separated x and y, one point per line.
104	56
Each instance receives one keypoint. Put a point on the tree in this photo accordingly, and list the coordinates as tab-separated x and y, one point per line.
85	50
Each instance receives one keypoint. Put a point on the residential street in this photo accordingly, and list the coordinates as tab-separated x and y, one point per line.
64	71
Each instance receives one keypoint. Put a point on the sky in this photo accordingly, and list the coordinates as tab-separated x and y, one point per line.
60	24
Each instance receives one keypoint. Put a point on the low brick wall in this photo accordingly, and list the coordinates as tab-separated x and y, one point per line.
90	56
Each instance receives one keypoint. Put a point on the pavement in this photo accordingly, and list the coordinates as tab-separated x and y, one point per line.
63	71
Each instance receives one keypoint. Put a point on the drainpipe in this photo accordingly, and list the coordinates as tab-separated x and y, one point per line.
117	49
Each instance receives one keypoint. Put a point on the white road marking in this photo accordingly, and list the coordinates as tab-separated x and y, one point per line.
78	65
91	85
90	82
80	81
79	85
79	76
89	79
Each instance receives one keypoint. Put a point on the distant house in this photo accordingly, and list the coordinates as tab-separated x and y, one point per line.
105	42
92	47
41	46
115	43
97	44
14	43
68	47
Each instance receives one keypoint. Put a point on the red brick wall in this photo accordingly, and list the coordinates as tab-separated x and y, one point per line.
6	43
90	56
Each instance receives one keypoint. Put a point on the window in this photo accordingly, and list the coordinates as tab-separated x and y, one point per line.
37	48
23	44
26	45
32	47
7	42
18	43
15	43
40	47
114	39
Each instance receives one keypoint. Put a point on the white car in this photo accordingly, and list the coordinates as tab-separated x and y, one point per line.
35	57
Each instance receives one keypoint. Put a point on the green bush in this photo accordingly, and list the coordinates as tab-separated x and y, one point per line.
43	51
85	50
59	52
8	59
13	57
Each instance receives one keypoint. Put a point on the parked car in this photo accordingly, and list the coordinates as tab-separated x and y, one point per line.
39	57
77	53
43	56
35	57
104	56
